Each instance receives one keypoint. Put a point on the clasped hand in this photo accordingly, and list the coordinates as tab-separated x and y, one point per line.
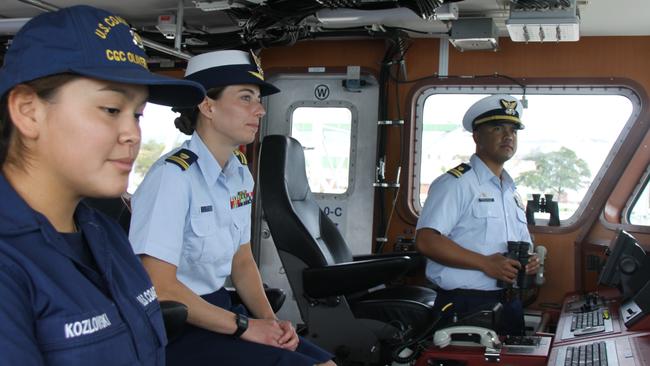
272	332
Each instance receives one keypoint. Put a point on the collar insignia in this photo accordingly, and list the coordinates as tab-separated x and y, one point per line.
240	156
183	158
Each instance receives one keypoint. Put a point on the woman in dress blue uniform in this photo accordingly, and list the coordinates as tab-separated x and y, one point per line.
73	85
191	225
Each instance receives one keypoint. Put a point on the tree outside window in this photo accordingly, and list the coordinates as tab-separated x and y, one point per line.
555	172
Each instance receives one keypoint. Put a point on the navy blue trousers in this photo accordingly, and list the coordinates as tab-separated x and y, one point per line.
200	347
512	316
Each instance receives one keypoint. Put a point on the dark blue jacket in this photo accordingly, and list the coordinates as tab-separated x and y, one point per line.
51	314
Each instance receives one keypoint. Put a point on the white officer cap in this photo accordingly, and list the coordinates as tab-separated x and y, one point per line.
498	107
228	67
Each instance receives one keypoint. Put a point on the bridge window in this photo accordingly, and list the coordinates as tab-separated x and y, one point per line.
568	137
159	136
640	212
325	134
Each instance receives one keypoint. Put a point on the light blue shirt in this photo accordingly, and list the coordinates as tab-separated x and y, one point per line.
195	219
478	211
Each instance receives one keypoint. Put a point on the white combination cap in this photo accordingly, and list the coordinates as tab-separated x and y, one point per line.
495	108
228	67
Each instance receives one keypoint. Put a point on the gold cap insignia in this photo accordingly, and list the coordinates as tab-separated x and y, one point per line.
136	39
510	106
258	64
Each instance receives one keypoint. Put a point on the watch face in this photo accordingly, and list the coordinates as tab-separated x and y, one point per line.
242	324
242	321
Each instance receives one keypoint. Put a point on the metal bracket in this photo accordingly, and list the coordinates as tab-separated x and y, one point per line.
396	122
353	82
492	355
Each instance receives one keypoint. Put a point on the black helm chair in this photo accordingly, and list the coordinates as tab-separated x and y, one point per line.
336	293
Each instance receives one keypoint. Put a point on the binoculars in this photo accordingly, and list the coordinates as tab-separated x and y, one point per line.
543	204
519	251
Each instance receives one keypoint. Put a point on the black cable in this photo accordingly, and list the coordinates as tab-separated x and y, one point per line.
441	77
540	5
399	72
419	32
403	49
393	52
384	82
421	342
400	49
388	28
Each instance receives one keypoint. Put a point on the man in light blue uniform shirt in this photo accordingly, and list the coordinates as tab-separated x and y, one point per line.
471	213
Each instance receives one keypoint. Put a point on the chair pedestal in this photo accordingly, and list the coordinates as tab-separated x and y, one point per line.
335	329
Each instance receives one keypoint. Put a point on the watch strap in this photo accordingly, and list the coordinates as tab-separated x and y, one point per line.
242	324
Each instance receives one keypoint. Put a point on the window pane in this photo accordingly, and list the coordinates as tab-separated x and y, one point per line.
325	135
640	214
159	136
566	141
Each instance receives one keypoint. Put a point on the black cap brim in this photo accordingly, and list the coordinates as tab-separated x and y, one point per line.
232	75
500	119
163	90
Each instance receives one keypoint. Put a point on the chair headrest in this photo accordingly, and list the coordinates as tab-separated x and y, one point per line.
295	176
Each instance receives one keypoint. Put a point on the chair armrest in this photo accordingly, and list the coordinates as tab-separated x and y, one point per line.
351	277
417	262
174	315
411	254
276	297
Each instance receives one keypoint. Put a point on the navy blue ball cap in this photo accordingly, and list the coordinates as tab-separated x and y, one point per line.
90	42
228	67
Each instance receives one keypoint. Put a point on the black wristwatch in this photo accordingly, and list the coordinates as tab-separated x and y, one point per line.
242	325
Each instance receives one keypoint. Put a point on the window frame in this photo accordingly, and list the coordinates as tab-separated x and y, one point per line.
354	122
643	183
536	87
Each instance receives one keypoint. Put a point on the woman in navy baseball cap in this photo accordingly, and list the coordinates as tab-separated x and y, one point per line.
191	224
73	86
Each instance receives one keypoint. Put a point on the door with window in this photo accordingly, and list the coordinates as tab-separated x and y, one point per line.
337	127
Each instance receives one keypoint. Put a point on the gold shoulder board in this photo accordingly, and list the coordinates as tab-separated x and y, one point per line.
459	170
183	158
